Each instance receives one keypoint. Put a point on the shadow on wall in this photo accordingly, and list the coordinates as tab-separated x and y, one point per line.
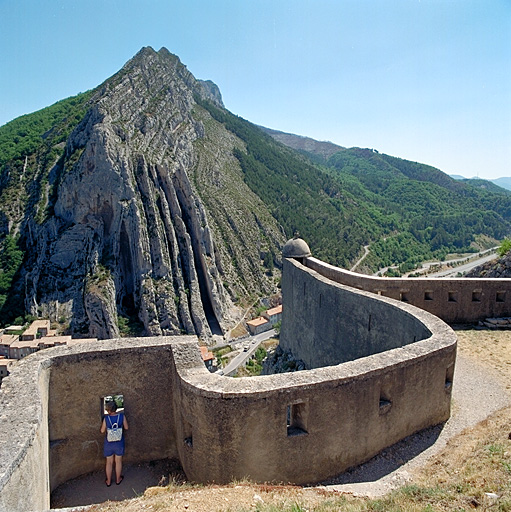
295	428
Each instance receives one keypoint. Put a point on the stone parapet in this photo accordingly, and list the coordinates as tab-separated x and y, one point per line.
301	427
454	300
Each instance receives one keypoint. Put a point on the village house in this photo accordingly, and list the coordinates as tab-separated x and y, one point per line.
53	341
38	336
4	367
207	357
38	328
258	325
6	340
13	329
22	348
274	315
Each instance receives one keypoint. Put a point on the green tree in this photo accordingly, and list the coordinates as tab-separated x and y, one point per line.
505	247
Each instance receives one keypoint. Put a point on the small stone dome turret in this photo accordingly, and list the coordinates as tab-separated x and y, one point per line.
296	248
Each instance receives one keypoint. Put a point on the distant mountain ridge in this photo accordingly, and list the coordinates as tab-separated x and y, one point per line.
500	182
323	149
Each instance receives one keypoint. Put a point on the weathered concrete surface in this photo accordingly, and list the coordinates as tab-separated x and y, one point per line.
326	323
457	300
24	469
221	428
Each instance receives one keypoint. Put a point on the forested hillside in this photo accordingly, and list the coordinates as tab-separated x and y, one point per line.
130	200
30	147
336	216
436	214
408	212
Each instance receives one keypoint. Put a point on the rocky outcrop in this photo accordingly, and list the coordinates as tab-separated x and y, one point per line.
148	223
281	361
498	268
323	149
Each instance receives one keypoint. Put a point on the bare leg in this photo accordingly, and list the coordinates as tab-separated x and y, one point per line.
108	469
118	468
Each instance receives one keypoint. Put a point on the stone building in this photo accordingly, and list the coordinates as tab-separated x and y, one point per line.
274	315
258	325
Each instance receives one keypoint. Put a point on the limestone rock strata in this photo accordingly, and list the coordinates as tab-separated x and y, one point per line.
148	223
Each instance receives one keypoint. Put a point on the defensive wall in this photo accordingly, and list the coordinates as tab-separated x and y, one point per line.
456	300
391	376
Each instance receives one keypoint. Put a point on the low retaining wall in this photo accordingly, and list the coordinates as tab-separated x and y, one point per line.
456	301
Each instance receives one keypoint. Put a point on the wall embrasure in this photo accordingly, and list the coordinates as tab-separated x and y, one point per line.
301	427
456	300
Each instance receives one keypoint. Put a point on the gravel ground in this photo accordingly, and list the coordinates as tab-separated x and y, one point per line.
481	387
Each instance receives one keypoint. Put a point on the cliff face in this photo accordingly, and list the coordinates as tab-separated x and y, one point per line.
152	219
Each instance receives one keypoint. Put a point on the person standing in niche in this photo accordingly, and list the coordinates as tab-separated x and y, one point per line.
113	450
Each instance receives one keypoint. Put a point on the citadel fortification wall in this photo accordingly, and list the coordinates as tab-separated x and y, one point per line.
50	413
456	301
324	323
301	427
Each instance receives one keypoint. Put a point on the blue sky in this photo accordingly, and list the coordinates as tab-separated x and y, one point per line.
426	80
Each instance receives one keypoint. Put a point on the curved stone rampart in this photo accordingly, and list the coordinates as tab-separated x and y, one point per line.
455	300
326	323
300	427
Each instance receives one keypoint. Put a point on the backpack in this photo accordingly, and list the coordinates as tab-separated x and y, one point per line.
114	431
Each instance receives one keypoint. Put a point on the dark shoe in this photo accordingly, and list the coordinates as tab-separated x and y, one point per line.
119	482
108	485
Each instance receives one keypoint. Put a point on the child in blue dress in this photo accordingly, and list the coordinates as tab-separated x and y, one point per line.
113	450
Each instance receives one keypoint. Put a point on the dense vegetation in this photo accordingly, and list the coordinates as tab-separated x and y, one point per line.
437	215
408	212
324	209
504	247
30	147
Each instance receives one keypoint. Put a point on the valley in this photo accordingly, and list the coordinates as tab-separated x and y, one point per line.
145	207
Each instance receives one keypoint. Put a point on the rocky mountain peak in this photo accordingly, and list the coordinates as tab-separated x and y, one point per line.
131	235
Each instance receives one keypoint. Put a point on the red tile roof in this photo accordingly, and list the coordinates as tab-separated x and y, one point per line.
206	354
274	311
256	322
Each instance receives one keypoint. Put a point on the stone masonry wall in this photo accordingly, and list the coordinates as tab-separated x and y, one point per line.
456	301
222	428
77	384
50	413
325	323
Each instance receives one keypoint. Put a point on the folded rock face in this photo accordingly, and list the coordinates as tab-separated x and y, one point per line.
146	223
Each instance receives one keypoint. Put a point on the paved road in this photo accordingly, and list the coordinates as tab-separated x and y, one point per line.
251	343
452	272
488	255
361	259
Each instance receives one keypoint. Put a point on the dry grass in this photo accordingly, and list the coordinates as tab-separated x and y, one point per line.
270	343
472	472
239	331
